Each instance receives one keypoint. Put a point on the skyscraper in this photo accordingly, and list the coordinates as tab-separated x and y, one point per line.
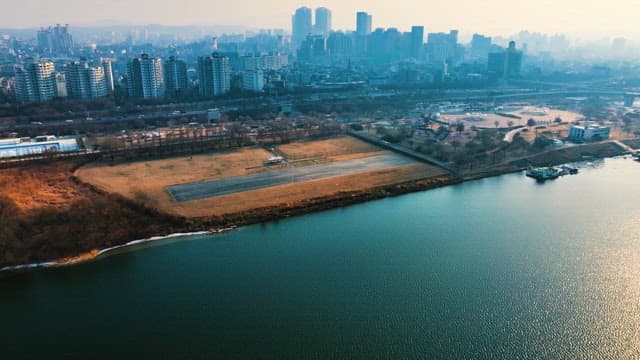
363	30
512	61
363	23
36	81
145	78
323	21
417	41
300	25
175	75
214	75
55	41
84	81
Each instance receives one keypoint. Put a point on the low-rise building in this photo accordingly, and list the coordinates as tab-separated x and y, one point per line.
39	145
592	132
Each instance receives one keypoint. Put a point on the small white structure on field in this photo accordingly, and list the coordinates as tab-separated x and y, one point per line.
274	160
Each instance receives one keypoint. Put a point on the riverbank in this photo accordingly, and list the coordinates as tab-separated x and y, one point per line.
96	222
96	254
90	241
550	158
218	223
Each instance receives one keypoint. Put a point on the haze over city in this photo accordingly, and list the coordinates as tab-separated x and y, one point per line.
494	17
320	179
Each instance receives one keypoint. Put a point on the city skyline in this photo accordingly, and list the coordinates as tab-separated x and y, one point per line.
496	17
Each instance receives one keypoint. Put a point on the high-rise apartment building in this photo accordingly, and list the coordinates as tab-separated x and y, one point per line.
108	75
512	61
36	81
495	65
175	75
300	25
442	47
61	85
363	30
363	23
145	78
339	44
214	75
55	41
84	81
505	64
417	41
323	22
253	80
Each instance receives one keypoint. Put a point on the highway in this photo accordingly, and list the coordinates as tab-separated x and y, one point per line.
198	109
207	189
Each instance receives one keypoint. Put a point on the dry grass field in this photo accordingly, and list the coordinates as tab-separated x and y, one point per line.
38	187
336	149
147	181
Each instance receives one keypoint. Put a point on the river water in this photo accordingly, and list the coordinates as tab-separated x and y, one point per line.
496	268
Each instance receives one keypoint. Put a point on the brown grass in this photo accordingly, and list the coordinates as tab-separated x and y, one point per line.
335	149
148	179
45	214
37	187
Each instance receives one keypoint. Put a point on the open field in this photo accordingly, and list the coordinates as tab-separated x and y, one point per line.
336	149
488	120
147	182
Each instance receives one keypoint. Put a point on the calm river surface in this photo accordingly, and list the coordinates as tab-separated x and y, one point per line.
496	268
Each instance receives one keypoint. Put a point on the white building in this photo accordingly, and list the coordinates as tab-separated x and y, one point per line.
145	78
108	74
36	81
214	75
275	61
61	84
84	81
589	132
253	80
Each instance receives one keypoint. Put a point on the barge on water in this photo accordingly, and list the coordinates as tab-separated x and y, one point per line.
549	172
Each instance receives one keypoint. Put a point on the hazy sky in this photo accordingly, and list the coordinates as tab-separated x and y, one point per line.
612	17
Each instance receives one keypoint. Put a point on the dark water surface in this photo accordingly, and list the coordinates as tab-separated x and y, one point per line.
497	268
